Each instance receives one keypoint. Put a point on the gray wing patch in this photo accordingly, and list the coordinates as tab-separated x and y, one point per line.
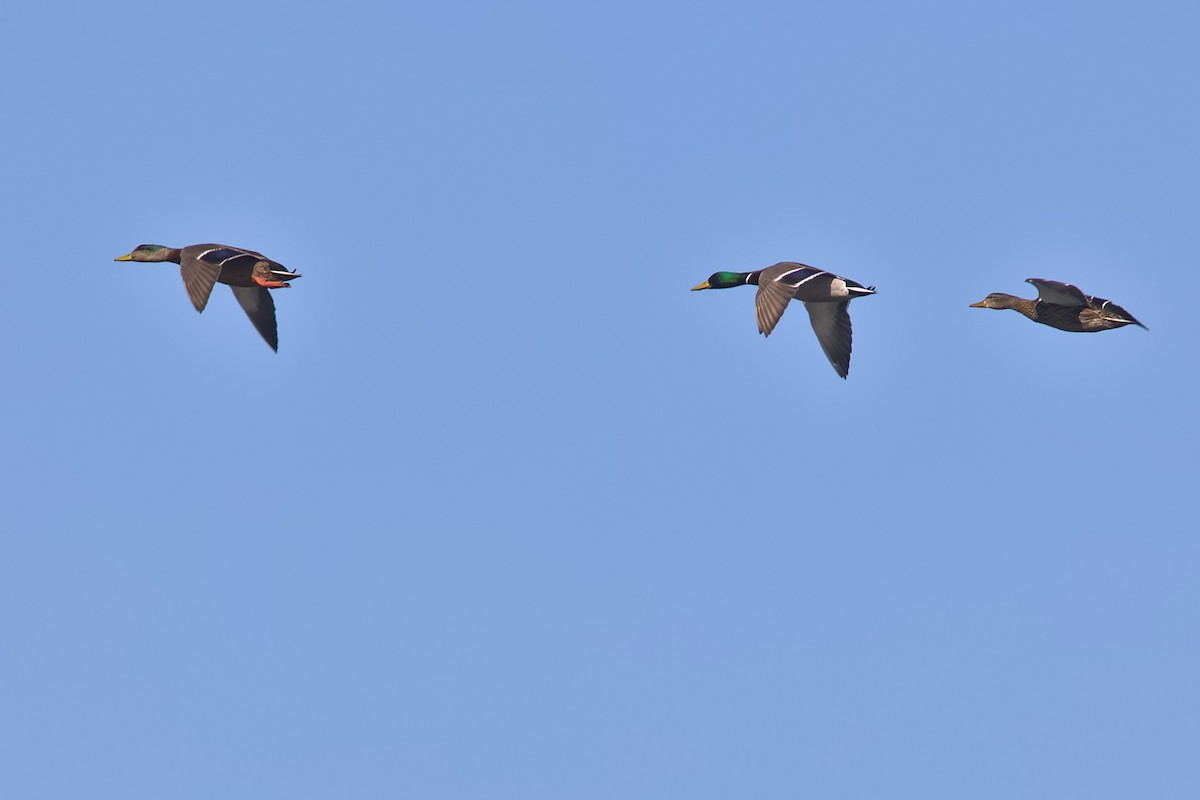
831	323
260	308
770	303
1060	294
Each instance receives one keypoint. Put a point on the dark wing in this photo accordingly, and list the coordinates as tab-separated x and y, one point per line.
1113	312
831	323
260	308
201	267
199	276
1060	294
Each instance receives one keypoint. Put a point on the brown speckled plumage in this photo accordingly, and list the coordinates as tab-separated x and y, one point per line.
1063	306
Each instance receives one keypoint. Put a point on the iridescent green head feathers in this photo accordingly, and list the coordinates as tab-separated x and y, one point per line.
724	280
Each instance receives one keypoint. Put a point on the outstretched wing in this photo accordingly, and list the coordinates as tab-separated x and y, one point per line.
831	323
777	286
201	267
1060	294
770	303
260	308
199	277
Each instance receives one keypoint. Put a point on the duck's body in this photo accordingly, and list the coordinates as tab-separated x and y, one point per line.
1063	306
826	296
248	274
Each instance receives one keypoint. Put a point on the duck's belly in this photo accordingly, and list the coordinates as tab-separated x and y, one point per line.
822	288
237	275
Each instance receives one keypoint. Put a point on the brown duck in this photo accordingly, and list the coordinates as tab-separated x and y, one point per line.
249	274
1063	306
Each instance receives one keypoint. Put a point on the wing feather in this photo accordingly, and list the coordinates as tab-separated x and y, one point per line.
199	277
770	303
1114	312
1060	294
256	301
831	323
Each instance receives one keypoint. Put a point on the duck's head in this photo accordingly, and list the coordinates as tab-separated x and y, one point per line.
996	300
722	280
147	252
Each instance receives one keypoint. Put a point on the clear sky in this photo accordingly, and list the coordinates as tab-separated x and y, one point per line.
512	513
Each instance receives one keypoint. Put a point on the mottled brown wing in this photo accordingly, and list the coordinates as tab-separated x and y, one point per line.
770	303
256	301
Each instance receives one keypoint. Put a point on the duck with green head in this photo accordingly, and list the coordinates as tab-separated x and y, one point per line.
1063	306
248	274
826	296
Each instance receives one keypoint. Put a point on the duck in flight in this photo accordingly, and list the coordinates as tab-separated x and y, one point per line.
826	296
1063	306
249	274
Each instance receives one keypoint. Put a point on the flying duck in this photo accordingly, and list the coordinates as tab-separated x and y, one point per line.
826	296
249	274
1063	306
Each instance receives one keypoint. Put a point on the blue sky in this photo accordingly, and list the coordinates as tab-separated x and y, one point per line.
512	513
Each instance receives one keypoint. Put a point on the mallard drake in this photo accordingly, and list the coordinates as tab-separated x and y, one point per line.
1063	306
825	295
249	274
